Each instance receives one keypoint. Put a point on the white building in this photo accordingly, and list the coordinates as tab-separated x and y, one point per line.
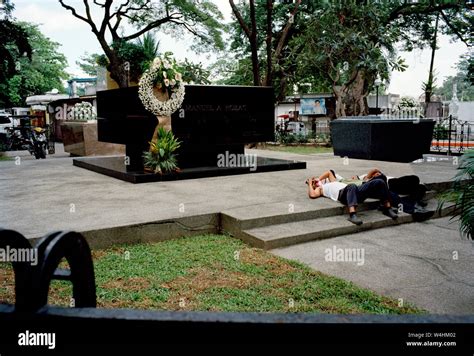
466	111
389	101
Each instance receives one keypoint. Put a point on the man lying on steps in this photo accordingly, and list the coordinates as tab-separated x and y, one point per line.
406	190
327	185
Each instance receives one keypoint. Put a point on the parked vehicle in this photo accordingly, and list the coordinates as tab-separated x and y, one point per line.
297	127
5	121
291	127
40	142
32	139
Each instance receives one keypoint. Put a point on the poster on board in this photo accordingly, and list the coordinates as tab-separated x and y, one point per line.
313	106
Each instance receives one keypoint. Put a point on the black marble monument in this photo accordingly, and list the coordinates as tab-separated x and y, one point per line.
376	138
212	121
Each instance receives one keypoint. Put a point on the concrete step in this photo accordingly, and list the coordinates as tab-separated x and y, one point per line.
291	233
249	217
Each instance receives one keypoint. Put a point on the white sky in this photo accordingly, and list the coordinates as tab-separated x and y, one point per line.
76	38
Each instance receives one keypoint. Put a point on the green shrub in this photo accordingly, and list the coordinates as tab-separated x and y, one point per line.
440	132
301	138
161	157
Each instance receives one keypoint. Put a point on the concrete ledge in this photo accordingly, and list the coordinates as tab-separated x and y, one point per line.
150	232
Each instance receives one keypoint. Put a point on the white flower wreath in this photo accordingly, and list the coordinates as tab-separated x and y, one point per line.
84	111
161	70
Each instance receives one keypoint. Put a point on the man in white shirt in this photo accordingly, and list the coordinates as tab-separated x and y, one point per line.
329	186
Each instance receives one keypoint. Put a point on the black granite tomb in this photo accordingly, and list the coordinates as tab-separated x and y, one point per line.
213	120
376	138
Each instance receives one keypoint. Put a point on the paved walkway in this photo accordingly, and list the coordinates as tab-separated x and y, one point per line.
427	264
40	196
414	262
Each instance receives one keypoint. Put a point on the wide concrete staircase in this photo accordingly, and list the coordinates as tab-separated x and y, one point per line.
274	225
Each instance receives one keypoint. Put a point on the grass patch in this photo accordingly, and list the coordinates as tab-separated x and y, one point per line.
302	150
214	273
5	158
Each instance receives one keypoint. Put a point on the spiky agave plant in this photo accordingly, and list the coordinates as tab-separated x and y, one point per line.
161	157
462	194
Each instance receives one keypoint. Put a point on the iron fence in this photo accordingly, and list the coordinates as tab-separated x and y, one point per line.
404	113
452	136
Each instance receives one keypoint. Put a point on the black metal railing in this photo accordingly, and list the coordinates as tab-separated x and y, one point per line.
452	136
39	266
86	326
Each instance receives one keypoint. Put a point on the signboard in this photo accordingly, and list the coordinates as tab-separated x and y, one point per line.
313	106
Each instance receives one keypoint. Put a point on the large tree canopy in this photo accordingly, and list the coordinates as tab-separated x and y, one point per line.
14	44
200	18
263	28
347	47
342	45
45	70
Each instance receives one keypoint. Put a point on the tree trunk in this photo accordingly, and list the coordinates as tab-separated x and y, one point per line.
340	106
254	45
355	93
282	87
116	66
269	75
429	85
118	73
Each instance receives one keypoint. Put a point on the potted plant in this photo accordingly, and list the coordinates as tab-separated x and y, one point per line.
161	158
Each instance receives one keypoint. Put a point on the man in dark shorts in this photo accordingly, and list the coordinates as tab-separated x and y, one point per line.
406	190
351	195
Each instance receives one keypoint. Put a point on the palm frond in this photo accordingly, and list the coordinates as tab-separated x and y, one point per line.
462	194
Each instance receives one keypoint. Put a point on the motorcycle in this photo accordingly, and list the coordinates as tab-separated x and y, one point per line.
33	140
40	142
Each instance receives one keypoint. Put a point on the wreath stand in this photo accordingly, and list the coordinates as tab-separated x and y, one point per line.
163	121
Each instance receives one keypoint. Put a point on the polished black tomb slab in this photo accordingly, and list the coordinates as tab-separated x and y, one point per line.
376	138
115	167
212	121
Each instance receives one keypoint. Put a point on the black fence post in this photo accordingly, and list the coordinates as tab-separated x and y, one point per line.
449	134
32	281
22	269
74	248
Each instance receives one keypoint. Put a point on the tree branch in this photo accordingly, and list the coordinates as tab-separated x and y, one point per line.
453	28
73	11
269	40
130	8
89	17
239	17
106	20
411	9
119	10
351	80
398	11
149	27
285	31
